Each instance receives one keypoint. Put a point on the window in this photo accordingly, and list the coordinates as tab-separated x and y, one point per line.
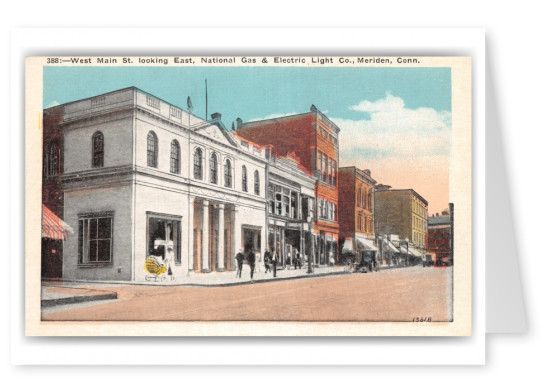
152	149
359	197
97	149
174	157
256	183
359	222
213	163
227	173
244	178
370	200
364	199
270	197
95	236
163	233
52	161
198	163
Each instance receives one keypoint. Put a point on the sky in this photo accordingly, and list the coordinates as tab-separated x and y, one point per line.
394	121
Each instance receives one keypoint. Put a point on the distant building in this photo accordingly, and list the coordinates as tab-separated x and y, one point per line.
356	211
440	236
314	140
402	212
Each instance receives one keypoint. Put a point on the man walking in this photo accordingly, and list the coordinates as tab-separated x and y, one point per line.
275	259
251	257
239	257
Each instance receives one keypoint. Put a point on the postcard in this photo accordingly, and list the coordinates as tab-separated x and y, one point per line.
248	196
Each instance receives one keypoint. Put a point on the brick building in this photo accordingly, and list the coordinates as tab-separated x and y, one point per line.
356	211
440	236
52	194
402	212
313	139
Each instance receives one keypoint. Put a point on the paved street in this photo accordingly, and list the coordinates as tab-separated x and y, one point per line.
390	295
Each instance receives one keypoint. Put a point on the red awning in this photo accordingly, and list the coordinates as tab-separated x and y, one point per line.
52	226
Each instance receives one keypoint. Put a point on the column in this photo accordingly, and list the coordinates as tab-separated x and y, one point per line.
236	234
191	236
220	253
205	239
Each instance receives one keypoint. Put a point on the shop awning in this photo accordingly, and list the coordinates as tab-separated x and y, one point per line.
53	227
415	252
391	247
347	246
365	245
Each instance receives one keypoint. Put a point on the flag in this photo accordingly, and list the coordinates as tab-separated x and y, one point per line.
189	104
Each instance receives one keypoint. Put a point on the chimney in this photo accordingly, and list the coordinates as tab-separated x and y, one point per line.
368	172
238	123
216	116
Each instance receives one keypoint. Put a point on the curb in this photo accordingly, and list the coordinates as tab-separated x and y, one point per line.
223	284
77	299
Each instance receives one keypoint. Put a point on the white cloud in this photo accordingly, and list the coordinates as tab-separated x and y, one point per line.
395	131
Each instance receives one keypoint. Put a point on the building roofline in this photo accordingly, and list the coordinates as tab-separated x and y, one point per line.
410	190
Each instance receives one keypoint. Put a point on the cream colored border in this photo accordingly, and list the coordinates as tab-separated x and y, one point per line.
460	195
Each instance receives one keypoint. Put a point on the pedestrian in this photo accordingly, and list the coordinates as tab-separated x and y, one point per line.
297	261
267	261
239	257
251	258
378	262
275	260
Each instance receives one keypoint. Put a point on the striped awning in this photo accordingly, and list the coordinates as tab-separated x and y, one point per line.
52	226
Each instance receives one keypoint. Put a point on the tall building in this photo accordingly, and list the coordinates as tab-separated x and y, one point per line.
143	177
356	210
314	140
404	213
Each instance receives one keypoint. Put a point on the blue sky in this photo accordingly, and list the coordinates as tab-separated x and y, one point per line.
394	121
257	92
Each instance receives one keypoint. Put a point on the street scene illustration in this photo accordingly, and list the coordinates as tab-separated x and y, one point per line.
229	193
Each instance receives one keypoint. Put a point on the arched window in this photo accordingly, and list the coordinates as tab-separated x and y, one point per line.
97	149
175	157
53	160
256	183
244	178
213	169
152	149
198	163
227	173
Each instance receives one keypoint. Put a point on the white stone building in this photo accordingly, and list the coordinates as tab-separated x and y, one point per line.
138	181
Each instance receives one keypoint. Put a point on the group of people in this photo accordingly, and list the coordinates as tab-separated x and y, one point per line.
270	261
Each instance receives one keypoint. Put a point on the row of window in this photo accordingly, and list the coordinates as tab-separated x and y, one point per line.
327	168
419	208
282	201
152	160
419	223
418	239
325	134
95	239
327	210
364	224
364	198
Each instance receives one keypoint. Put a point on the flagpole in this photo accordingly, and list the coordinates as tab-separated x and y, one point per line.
206	102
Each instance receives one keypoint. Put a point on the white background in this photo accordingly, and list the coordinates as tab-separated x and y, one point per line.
518	49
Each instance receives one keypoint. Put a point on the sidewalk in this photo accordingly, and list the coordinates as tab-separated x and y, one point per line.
54	294
219	278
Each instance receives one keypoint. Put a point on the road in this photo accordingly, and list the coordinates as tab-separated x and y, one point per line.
390	295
